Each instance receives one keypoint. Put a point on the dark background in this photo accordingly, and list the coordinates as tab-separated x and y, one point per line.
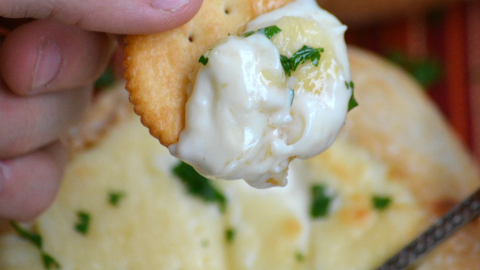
437	41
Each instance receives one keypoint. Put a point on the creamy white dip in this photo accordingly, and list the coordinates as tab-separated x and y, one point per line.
240	120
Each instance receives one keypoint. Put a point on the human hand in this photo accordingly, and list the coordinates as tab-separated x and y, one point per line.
47	69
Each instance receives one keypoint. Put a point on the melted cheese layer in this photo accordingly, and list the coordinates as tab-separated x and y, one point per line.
159	225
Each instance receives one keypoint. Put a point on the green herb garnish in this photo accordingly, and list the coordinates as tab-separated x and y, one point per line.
247	34
350	85
299	256
31	237
49	262
287	65
203	60
380	202
199	186
230	235
270	31
320	201
83	221
352	103
427	71
300	57
304	54
106	79
114	197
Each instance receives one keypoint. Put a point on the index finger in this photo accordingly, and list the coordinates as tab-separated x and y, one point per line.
111	16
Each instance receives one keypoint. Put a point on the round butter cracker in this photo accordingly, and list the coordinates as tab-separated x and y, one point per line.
158	66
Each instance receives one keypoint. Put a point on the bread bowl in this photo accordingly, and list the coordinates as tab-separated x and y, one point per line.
395	144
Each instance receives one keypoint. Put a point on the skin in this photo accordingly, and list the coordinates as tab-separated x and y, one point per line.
35	111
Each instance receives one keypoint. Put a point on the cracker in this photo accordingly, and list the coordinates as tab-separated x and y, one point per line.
158	66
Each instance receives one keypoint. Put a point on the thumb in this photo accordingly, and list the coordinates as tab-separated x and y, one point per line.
111	16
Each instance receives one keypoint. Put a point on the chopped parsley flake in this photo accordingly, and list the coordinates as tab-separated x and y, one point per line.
269	31
230	235
115	197
247	34
304	54
48	261
300	57
427	71
31	237
106	79
320	201
287	65
352	103
350	85
83	221
203	60
380	202
299	256
199	186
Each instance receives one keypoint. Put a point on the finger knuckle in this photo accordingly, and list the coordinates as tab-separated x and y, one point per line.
16	137
27	9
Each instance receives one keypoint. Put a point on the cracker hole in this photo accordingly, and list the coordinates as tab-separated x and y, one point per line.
190	38
227	11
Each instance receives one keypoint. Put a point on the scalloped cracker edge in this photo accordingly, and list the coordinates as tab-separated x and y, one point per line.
158	66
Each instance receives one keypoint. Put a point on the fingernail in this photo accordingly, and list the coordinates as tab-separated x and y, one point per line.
49	63
169	5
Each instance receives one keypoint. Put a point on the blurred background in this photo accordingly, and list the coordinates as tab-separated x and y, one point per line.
437	41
